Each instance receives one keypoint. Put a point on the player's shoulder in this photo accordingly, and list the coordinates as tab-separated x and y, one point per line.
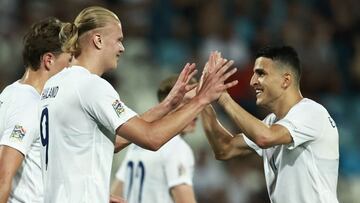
18	93
87	79
309	106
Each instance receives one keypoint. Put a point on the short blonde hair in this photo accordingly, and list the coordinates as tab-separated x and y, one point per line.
88	19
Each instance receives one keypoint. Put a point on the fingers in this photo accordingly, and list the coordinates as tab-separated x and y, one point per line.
228	74
190	87
184	72
230	84
193	72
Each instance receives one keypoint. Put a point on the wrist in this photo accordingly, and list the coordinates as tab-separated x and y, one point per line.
201	101
224	98
166	105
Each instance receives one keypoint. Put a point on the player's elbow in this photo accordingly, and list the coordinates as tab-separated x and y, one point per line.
264	142
152	143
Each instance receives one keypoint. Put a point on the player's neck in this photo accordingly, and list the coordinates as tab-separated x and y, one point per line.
92	63
283	106
36	79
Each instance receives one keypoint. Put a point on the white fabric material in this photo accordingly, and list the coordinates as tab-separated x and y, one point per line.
79	106
19	129
305	171
149	175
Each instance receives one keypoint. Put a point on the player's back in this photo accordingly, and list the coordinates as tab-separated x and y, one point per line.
148	176
19	130
76	155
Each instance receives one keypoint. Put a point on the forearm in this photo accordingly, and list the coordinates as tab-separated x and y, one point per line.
157	111
152	135
172	124
253	128
218	137
120	143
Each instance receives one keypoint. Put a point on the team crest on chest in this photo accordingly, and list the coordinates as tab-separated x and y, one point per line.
1	103
118	107
18	133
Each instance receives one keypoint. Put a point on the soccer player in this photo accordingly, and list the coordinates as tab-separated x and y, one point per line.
20	172
78	107
162	176
298	141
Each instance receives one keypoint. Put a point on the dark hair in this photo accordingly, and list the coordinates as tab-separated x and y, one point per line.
285	55
44	36
167	84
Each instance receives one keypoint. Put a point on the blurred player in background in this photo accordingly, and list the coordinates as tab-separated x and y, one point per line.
298	141
20	172
78	106
162	176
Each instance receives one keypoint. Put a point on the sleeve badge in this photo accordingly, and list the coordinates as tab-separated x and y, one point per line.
118	107
18	133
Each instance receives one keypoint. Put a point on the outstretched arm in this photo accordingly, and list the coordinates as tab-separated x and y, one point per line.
152	135
261	134
174	97
224	144
10	161
172	101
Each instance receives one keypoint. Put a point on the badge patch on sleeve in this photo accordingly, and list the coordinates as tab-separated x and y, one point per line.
118	107
181	170
18	133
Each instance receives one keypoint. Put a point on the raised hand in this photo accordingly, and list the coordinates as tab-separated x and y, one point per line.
181	86
212	82
217	59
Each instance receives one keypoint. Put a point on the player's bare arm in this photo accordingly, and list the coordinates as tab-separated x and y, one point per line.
117	187
152	135
224	144
175	96
171	102
183	193
10	161
262	135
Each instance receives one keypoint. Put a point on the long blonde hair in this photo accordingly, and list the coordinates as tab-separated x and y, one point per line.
88	19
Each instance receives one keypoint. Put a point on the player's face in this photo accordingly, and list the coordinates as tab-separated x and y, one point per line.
191	126
60	62
266	81
113	45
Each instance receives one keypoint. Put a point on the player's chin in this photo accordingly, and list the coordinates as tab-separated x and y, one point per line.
259	102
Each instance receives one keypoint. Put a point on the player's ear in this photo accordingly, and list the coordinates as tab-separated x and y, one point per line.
48	60
97	40
287	79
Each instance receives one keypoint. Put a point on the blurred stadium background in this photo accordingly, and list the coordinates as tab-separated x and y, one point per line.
162	35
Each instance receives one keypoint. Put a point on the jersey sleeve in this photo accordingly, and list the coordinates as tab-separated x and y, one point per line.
178	166
304	122
251	144
21	125
103	104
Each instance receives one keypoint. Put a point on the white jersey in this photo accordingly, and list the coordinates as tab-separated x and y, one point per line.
148	176
19	129
77	109
305	171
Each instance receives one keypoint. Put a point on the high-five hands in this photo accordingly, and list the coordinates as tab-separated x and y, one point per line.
212	82
181	86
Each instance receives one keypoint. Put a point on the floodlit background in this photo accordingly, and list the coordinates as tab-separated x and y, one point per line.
162	35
